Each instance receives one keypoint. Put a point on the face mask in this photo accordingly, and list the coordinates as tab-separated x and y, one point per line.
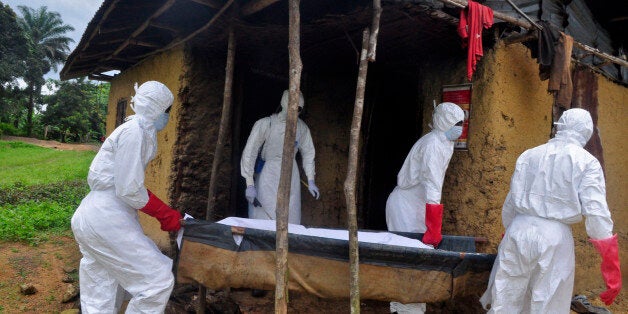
161	121
453	133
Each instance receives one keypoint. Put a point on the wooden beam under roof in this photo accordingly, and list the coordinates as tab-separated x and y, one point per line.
166	27
93	55
142	27
214	4
114	29
142	43
112	41
256	6
177	41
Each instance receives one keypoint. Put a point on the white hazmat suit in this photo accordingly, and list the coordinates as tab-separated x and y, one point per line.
421	177
268	134
420	181
117	255
552	187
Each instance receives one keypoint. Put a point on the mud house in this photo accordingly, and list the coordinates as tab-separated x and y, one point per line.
183	43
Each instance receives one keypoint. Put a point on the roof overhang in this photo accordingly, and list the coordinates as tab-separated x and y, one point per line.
122	33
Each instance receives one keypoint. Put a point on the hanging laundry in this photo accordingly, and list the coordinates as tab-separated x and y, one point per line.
560	74
472	20
553	53
545	48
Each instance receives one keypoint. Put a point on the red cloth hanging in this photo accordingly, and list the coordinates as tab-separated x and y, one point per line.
472	20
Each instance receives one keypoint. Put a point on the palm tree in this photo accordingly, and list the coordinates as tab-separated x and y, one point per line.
47	47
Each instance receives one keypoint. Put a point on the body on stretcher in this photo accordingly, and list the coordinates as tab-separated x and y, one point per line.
240	253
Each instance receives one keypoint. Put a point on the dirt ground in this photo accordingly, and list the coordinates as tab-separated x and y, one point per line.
48	265
52	144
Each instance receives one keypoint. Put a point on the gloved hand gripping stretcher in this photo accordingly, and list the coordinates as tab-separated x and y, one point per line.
239	253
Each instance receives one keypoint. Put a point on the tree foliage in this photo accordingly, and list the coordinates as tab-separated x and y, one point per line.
13	47
76	110
30	46
47	47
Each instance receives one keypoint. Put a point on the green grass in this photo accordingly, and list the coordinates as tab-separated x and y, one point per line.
39	190
28	164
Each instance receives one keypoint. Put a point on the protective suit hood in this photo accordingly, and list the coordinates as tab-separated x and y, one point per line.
575	125
151	100
284	103
446	115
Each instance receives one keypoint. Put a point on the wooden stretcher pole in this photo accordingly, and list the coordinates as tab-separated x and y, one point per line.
225	118
287	160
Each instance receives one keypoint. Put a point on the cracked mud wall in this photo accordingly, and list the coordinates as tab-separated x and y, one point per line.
329	101
511	112
612	100
166	68
197	132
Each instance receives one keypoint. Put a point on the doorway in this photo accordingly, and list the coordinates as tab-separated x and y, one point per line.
393	123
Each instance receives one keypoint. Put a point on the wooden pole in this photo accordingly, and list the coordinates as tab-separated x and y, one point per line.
369	44
225	118
287	160
377	12
350	181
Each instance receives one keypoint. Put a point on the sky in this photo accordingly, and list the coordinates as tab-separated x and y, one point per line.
76	13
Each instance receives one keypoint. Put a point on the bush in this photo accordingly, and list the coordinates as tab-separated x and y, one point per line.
31	213
8	129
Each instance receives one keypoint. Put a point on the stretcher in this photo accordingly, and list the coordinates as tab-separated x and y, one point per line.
240	253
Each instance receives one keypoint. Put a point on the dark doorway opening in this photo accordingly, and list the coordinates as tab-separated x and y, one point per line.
393	123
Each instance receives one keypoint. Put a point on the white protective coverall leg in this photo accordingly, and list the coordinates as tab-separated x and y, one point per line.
117	256
420	181
553	186
268	134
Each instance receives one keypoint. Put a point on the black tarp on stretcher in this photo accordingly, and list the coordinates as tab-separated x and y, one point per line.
320	266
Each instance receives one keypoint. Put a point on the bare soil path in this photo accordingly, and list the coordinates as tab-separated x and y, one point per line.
53	144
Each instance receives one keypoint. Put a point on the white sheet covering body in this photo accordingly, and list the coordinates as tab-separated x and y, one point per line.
117	255
553	186
363	236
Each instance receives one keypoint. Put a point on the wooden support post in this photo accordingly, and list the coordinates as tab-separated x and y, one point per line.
377	12
350	181
287	160
369	44
225	118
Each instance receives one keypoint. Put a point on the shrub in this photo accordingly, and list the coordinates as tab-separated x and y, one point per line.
30	213
8	129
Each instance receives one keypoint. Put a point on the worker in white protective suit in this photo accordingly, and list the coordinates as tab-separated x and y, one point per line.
117	255
268	135
414	204
553	186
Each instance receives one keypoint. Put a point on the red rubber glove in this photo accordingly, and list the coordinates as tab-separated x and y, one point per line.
433	222
611	273
168	217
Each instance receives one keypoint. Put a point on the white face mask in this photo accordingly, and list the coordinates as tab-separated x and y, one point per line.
161	121
454	133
